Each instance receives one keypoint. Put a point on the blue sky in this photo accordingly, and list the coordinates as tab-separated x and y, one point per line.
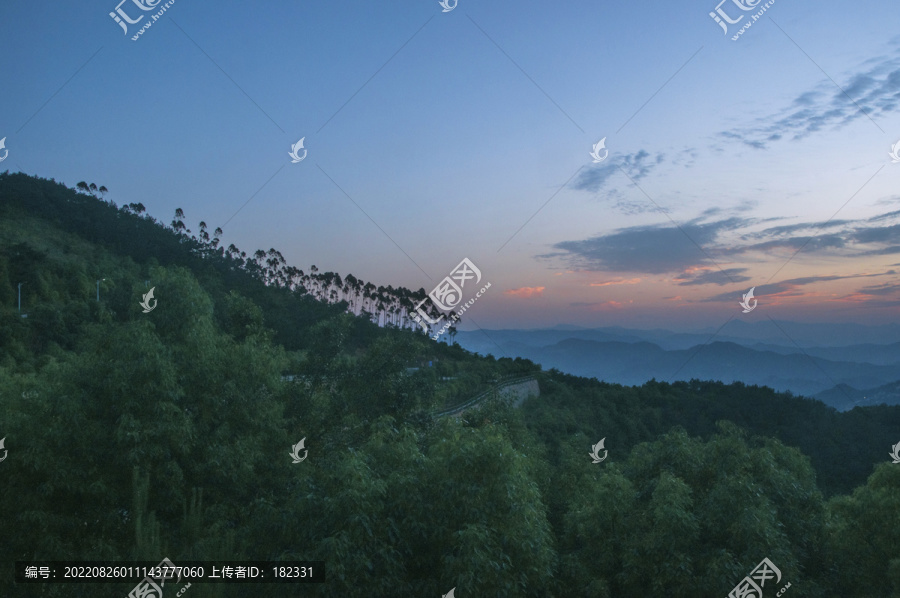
436	136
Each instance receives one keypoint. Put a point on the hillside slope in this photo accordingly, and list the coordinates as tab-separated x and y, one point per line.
138	435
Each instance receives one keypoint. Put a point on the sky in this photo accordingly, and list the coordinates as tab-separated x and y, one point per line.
758	161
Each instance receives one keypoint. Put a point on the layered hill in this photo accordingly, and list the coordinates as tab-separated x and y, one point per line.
624	357
137	434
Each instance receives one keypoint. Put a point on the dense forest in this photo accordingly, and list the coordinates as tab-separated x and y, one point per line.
139	436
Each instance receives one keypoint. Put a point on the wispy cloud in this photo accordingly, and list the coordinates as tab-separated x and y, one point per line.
874	90
615	282
525	292
654	249
699	276
696	250
888	201
792	287
882	290
638	165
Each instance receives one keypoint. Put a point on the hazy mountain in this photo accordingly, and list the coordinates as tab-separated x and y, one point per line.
814	334
618	357
764	335
868	353
844	397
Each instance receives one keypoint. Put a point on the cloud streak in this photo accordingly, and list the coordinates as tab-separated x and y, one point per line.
615	282
638	166
654	249
525	292
873	91
666	249
792	287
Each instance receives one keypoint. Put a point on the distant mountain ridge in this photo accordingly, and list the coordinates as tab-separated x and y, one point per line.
626	356
778	334
844	397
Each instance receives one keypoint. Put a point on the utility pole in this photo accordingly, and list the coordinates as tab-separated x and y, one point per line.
20	296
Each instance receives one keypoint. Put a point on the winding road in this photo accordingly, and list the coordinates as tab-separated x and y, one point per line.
519	388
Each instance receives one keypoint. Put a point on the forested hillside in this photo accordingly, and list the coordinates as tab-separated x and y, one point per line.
138	436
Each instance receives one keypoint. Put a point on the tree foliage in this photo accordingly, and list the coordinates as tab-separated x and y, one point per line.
137	435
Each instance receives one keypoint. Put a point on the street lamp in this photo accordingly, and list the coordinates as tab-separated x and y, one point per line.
98	289
20	296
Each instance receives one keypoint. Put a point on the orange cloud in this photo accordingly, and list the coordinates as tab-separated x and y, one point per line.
615	282
525	292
